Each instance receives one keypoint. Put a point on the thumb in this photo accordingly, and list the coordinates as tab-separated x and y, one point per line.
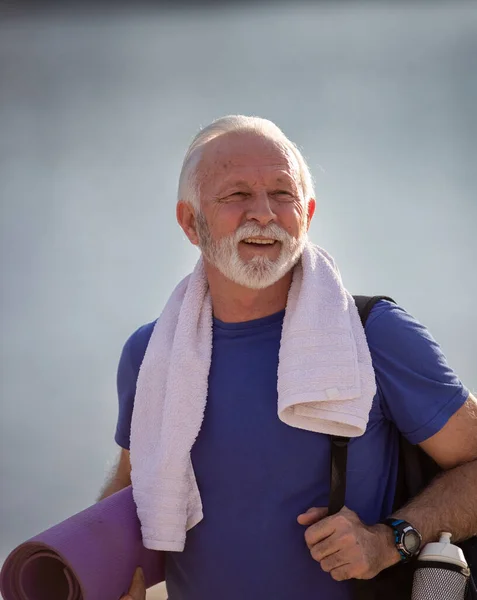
312	515
137	591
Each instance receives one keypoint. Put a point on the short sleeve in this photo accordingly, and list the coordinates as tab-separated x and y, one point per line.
419	390
126	379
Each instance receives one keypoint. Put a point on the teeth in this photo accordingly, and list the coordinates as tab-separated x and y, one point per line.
253	241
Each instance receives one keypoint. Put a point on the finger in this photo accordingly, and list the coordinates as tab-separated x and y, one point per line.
320	531
345	564
341	523
137	591
334	561
341	573
326	547
312	515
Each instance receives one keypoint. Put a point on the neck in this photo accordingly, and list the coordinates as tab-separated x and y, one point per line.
233	303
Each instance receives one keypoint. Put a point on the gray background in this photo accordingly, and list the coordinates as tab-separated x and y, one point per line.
96	112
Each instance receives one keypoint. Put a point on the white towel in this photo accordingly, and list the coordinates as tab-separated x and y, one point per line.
326	384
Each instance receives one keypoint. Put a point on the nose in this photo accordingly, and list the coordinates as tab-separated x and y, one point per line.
260	209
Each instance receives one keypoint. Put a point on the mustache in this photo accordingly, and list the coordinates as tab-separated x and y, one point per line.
271	231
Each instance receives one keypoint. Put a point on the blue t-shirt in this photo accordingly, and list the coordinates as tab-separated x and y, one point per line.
256	474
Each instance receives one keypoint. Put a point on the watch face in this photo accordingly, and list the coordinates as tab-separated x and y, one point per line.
411	541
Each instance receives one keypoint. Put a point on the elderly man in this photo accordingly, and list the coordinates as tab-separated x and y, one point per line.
246	200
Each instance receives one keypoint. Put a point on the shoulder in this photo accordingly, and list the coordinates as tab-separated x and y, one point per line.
398	342
136	344
419	389
388	315
127	374
142	335
391	326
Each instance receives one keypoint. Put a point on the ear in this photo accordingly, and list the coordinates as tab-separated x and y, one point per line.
186	218
310	211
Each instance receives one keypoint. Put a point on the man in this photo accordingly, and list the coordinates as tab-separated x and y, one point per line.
246	200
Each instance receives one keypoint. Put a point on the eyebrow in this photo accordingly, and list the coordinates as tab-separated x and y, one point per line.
235	182
286	180
243	183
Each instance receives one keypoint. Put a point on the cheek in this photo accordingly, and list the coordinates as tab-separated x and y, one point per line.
226	219
293	218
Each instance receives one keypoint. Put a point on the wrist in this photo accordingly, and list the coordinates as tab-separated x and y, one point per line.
387	544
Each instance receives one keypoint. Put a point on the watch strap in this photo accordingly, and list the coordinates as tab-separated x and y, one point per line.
398	526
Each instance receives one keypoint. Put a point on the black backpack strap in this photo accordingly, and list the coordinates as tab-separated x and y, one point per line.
339	458
365	305
339	445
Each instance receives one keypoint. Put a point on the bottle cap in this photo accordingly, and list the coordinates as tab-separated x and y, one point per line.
443	551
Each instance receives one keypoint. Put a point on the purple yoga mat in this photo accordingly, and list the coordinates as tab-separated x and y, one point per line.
90	556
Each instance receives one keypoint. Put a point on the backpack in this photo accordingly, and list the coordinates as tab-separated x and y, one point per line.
415	471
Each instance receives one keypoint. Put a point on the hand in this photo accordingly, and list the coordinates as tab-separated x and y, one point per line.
137	591
345	547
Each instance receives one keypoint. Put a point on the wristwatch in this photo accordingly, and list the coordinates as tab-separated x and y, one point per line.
407	539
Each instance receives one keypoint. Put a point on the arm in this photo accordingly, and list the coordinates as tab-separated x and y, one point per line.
347	548
445	504
424	399
119	478
128	369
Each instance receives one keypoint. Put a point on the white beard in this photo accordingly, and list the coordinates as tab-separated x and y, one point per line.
259	272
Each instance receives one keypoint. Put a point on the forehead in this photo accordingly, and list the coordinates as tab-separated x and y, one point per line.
245	154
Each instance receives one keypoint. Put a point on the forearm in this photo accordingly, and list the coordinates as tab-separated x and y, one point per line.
117	481
114	484
448	503
120	476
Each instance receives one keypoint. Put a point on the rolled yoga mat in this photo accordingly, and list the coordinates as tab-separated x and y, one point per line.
90	556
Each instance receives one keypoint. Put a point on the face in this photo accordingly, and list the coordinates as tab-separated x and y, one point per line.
253	221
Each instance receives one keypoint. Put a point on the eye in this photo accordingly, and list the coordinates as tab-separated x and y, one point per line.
283	194
237	196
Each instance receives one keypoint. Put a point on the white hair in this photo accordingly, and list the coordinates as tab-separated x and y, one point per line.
188	185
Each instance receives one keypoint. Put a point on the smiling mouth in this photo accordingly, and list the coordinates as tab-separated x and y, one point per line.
259	241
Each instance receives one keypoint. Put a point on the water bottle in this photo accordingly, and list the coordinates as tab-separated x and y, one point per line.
441	572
